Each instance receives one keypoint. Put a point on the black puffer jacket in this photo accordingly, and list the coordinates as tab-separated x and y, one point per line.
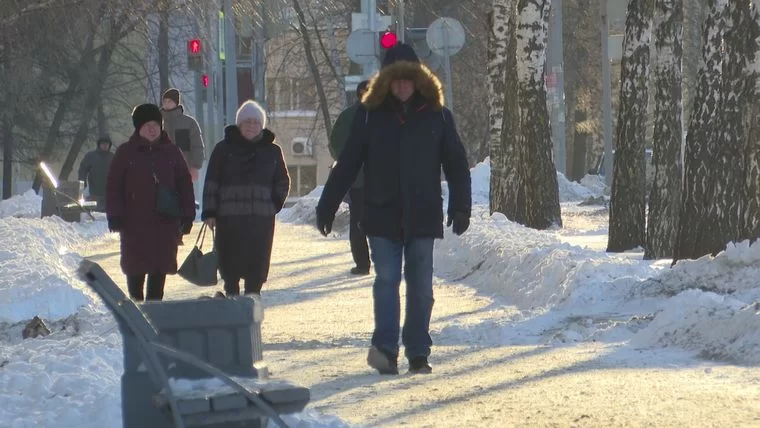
402	149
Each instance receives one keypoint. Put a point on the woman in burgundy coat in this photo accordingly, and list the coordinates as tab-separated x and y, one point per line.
149	240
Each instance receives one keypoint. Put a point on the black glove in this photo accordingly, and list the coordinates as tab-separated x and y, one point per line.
114	224
324	222
460	221
187	225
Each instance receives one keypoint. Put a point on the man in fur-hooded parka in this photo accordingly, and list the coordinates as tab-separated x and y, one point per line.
402	135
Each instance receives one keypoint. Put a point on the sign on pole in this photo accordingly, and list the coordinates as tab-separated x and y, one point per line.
445	36
360	46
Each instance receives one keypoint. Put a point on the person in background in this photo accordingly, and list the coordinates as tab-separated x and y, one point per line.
246	185
402	135
149	239
184	132
356	236
93	171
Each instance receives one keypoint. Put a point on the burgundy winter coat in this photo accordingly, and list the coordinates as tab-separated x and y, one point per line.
148	240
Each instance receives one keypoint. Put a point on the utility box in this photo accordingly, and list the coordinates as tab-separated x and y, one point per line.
61	201
225	333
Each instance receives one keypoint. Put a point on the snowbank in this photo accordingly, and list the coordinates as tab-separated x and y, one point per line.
27	205
37	261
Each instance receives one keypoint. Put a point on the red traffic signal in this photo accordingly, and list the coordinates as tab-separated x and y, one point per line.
194	46
388	39
204	80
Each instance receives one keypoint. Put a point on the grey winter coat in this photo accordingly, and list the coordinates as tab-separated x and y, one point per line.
186	134
93	170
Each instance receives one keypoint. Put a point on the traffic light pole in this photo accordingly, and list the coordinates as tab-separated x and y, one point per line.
369	7
401	30
230	62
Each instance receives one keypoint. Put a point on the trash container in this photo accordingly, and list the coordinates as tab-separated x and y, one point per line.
223	332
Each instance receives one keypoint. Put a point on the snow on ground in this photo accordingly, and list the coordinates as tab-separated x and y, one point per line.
76	370
545	287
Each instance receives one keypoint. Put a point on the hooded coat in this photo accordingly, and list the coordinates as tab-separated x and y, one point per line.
148	240
246	185
93	170
402	148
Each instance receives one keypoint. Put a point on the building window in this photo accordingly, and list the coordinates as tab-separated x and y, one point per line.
286	93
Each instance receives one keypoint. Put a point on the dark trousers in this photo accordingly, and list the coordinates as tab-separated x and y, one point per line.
156	282
232	287
357	237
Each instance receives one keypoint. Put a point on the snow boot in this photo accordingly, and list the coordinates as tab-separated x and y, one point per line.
420	365
359	271
382	361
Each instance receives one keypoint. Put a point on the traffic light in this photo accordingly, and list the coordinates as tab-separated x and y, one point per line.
194	55
204	87
386	40
204	80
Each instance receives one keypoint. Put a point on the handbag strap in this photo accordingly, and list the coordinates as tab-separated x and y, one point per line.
202	237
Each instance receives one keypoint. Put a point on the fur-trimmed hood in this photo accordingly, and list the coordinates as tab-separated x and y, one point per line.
425	82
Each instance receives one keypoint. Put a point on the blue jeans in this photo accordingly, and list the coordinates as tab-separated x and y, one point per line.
418	273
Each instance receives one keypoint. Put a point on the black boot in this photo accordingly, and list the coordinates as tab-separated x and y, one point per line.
359	271
382	361
420	365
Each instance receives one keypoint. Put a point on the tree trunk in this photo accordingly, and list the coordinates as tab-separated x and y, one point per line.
726	191
498	37
7	156
94	93
540	187
316	75
662	224
163	47
701	148
628	199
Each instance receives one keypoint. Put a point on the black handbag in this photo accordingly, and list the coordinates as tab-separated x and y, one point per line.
167	200
199	268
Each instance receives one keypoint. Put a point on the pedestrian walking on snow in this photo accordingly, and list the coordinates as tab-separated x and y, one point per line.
402	135
246	185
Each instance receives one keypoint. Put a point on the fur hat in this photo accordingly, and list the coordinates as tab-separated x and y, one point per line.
172	94
400	52
145	113
251	110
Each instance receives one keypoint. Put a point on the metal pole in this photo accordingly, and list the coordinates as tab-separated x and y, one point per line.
606	94
447	67
369	7
558	101
230	62
213	58
401	31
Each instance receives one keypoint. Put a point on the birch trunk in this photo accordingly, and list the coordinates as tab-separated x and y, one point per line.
628	199
539	187
701	148
668	129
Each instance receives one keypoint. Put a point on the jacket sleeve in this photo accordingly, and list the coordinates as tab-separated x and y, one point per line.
350	161
184	183
281	181
197	148
116	183
84	168
456	168
212	182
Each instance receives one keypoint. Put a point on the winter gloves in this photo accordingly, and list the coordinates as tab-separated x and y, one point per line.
114	224
324	222
460	221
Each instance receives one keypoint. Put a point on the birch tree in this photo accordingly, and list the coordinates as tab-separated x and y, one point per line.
628	199
503	117
750	220
539	187
701	148
664	200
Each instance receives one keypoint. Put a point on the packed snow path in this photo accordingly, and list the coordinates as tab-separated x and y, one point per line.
317	326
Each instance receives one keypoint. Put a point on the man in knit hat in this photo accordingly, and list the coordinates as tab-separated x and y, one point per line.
183	130
402	135
93	171
355	198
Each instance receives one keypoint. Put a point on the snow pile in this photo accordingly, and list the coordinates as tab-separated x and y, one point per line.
570	191
595	183
716	305
27	205
38	262
304	211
